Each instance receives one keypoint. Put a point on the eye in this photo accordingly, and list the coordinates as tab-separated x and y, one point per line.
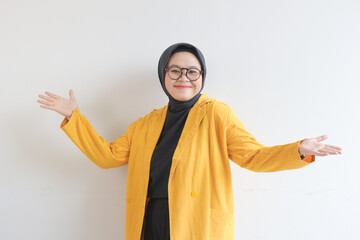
174	70
193	71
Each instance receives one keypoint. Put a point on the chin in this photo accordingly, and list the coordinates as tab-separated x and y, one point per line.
183	98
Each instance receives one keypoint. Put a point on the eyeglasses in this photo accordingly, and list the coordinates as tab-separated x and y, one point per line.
192	73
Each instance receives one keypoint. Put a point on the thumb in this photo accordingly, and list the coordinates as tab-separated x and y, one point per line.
321	138
71	94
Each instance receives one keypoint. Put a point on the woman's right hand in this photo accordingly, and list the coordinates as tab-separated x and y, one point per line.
59	104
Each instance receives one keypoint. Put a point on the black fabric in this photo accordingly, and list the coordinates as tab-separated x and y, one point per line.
174	123
156	222
162	156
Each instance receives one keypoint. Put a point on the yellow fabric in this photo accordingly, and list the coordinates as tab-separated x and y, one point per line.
201	203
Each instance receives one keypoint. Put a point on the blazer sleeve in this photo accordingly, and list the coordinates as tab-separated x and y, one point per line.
102	153
247	152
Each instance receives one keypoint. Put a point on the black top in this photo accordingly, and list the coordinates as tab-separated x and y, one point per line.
176	116
162	156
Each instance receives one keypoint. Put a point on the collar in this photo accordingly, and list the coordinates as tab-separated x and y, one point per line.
180	106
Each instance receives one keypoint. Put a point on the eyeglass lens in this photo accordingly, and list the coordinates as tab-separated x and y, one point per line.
191	73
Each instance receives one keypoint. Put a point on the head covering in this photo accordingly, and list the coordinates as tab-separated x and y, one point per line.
165	57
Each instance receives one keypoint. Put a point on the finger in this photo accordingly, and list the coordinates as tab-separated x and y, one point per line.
46	98
332	150
46	103
327	151
52	95
47	107
321	138
333	147
320	153
71	94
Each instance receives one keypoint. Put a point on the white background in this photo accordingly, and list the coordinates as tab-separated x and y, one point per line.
289	70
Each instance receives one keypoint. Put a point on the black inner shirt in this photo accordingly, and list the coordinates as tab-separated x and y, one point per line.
161	160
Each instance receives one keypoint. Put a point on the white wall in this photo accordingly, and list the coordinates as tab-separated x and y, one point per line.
289	70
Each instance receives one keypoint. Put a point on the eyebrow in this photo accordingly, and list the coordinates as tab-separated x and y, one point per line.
174	65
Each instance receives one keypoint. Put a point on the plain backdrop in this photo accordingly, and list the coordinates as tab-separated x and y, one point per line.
288	69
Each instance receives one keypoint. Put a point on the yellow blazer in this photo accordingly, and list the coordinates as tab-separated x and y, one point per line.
201	203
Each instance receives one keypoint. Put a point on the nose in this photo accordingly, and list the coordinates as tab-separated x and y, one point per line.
183	76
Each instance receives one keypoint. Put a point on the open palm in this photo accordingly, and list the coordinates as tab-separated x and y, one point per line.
64	106
313	146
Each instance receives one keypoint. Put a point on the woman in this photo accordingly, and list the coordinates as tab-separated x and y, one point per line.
179	180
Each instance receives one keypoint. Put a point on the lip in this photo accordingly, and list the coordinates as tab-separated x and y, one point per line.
182	86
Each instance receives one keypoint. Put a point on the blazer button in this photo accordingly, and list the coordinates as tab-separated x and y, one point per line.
194	193
127	199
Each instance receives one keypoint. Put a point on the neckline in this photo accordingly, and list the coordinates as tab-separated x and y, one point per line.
177	106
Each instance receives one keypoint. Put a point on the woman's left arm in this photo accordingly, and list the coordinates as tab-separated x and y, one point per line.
247	152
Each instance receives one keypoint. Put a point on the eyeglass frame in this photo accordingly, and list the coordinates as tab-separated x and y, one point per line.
181	69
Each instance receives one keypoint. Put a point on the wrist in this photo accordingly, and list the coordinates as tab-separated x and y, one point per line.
300	151
71	113
68	116
300	148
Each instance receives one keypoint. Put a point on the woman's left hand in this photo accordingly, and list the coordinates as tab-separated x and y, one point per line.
313	146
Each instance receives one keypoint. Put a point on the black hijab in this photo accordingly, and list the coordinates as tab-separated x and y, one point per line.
165	57
174	123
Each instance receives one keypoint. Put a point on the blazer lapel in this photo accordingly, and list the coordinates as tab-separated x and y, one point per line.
192	124
155	128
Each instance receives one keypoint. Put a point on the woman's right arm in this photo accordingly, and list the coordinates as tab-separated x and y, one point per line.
80	131
102	153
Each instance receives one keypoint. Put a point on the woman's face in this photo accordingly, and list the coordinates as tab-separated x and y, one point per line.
183	89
